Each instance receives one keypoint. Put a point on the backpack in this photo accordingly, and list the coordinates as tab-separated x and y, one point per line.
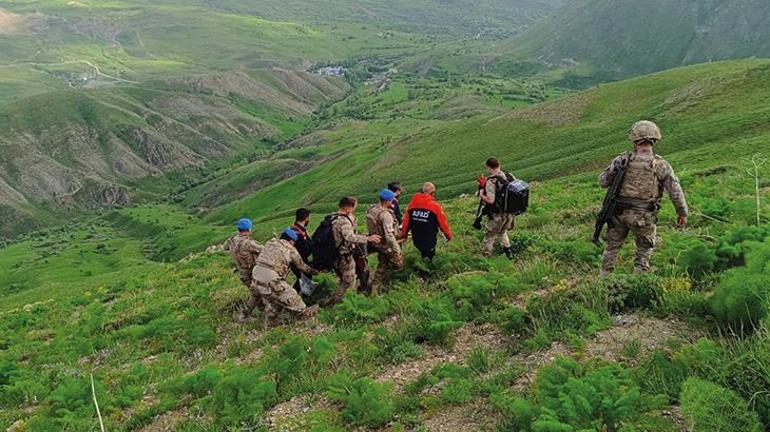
511	195
325	249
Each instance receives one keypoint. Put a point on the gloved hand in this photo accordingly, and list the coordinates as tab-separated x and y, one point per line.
482	181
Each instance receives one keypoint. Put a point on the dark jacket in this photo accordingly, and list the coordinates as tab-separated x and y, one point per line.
424	218
397	211
304	244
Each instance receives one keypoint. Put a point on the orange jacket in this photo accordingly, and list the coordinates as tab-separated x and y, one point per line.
426	202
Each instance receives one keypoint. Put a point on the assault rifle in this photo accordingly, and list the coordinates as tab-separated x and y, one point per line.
479	215
607	215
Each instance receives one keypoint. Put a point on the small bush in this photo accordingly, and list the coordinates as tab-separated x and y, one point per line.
568	397
662	375
580	310
709	407
241	396
740	301
366	402
356	309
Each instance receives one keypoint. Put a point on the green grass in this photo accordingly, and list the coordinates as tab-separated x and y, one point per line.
161	337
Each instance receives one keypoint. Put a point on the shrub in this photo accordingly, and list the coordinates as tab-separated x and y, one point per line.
356	309
662	375
366	402
579	310
241	396
632	291
517	414
739	301
597	399
698	259
568	397
709	407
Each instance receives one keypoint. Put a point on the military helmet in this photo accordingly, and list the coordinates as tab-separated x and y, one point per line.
644	131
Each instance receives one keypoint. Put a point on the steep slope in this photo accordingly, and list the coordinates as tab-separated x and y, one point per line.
620	38
84	149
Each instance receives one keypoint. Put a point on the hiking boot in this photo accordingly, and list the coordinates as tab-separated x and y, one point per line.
508	252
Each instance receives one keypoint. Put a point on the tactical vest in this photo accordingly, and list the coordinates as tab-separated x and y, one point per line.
373	221
244	262
641	180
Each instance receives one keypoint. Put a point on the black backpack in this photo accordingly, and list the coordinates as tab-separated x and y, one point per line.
511	195
325	251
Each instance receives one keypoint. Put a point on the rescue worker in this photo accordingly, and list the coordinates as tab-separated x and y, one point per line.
424	218
244	250
381	220
397	189
303	243
647	175
348	243
269	278
499	222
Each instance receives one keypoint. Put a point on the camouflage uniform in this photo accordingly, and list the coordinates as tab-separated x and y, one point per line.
383	223
244	250
647	176
498	223
269	279
348	242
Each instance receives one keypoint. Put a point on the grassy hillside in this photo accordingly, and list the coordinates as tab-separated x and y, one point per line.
710	112
607	39
465	343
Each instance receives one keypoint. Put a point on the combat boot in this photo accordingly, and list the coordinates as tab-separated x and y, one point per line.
508	252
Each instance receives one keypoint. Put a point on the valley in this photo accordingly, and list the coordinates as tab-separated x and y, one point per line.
134	134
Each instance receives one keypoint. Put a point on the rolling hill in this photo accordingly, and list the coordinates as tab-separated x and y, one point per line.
97	97
611	39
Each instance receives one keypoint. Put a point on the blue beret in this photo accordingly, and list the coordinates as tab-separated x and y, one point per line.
290	233
244	224
387	195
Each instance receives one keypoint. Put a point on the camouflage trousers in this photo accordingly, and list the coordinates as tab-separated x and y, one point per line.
277	295
345	268
387	260
254	301
643	224
497	228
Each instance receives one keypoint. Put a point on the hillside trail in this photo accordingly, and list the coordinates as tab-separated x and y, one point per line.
88	63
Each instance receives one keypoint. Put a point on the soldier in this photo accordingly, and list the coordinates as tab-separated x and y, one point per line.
381	220
638	203
499	222
347	241
269	278
245	251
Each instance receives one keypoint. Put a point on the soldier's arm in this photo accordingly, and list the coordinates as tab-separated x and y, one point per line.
296	261
606	177
227	244
252	246
489	192
346	229
674	189
390	233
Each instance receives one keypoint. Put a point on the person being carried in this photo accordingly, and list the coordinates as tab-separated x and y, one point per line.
347	242
244	250
499	222
269	278
397	189
381	221
647	176
304	244
424	218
